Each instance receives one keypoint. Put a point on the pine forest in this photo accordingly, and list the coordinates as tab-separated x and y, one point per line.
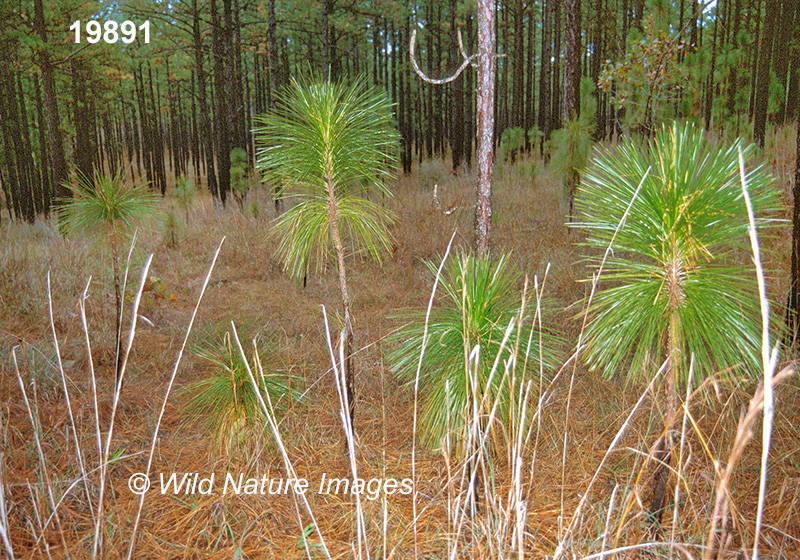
492	279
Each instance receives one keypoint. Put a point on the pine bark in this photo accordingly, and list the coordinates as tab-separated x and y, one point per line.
555	112
763	75
205	123
572	60
486	83
544	82
222	124
456	93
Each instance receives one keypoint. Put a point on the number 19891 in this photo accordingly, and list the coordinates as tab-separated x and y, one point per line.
110	31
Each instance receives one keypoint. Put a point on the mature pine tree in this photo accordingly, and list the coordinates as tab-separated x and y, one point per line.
518	65
58	160
763	72
486	90
222	126
544	83
572	60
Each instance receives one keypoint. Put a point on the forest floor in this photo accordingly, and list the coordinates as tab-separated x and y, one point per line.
247	287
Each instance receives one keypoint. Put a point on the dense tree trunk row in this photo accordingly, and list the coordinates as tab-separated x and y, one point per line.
171	111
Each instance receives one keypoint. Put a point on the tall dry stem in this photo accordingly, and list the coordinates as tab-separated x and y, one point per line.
132	544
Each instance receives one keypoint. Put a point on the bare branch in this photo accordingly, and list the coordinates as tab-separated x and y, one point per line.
439	81
69	56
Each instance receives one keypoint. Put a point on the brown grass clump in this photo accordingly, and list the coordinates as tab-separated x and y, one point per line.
605	423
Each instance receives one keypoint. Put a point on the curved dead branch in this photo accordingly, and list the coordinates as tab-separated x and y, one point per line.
446	211
467	61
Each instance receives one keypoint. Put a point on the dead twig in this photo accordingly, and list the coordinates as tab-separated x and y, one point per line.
439	81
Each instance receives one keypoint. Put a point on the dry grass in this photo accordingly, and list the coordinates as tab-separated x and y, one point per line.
247	287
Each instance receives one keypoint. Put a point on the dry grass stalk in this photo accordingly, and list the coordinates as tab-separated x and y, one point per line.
266	406
132	544
763	399
595	280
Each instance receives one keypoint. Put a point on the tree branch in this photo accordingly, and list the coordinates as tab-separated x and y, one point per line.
439	81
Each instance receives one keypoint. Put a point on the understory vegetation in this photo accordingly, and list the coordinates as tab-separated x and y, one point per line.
523	395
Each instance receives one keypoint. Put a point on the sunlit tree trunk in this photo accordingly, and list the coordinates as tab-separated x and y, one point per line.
486	83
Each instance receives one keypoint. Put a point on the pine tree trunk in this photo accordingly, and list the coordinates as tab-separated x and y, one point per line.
58	160
530	79
555	112
222	128
572	60
44	156
763	75
349	373
456	94
572	80
793	89
486	83
518	77
544	82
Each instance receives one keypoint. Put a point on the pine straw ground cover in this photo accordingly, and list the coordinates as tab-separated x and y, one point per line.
248	288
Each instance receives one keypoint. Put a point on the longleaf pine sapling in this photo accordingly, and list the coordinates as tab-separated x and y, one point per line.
672	289
329	144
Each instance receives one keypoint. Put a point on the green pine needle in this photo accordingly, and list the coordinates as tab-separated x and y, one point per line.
480	298
677	252
329	135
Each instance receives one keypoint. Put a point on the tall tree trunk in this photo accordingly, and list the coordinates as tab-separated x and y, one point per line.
555	113
44	157
407	100
763	74
572	80
222	128
518	78
530	79
486	82
469	100
456	93
83	138
58	160
793	89
572	60
326	40
544	82
272	54
711	82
